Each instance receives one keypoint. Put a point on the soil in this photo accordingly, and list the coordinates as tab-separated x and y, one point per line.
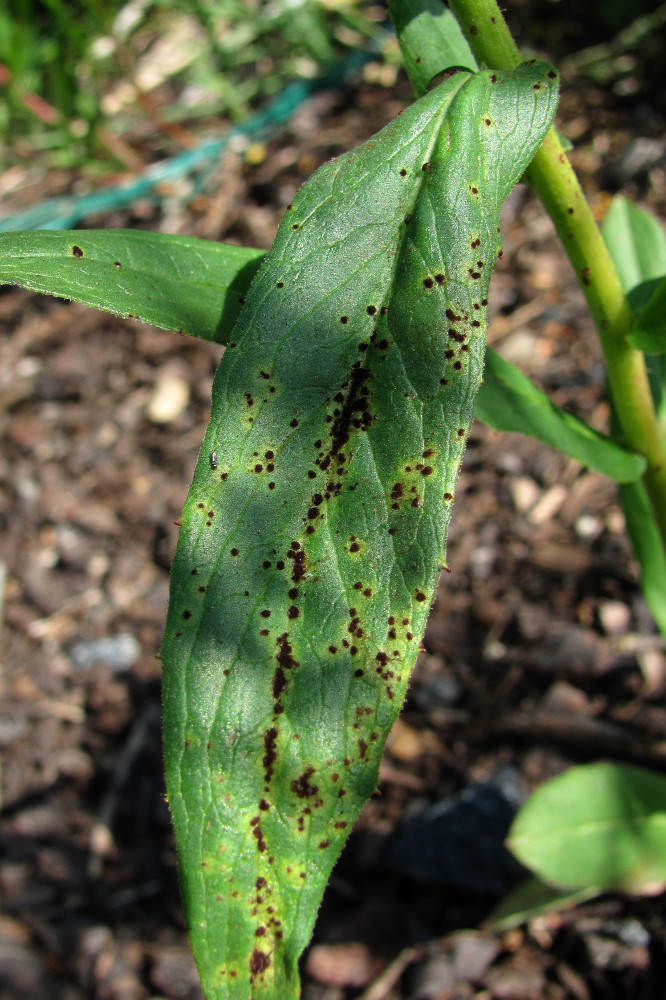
540	652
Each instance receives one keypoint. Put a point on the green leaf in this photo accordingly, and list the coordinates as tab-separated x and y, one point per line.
601	825
649	331
175	282
533	898
636	241
637	244
509	401
431	41
316	524
648	548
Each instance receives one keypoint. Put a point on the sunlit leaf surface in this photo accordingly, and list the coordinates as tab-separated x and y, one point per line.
315	528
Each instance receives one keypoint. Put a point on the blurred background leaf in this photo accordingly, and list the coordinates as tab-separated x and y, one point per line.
597	826
637	243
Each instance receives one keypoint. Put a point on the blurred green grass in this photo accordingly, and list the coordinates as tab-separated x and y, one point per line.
96	84
102	86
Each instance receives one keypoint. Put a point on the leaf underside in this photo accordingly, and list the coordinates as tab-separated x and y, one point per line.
509	401
315	528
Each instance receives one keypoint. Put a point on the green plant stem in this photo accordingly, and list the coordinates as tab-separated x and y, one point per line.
554	180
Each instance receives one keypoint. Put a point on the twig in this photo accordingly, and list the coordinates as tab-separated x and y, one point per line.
385	982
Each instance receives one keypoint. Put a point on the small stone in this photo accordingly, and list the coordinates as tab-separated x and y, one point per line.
548	505
615	521
564	697
615	617
482	561
459	841
513	982
348	964
404	743
174	972
652	664
436	692
588	527
119	652
24	974
520	347
638	158
561	558
434	976
75	765
473	955
170	397
524	493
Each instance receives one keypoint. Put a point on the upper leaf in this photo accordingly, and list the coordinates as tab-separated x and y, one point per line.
175	282
431	40
316	523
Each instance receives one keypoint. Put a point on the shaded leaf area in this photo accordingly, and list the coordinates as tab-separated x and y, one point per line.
647	547
175	282
649	332
509	401
600	825
315	528
637	243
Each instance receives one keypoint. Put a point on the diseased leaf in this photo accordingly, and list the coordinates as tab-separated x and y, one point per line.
316	524
175	282
509	401
431	40
600	825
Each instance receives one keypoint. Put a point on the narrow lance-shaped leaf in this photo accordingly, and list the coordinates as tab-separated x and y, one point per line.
175	282
636	241
316	524
637	244
648	548
508	401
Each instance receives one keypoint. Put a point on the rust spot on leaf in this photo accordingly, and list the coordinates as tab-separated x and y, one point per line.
270	741
302	787
279	682
259	962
